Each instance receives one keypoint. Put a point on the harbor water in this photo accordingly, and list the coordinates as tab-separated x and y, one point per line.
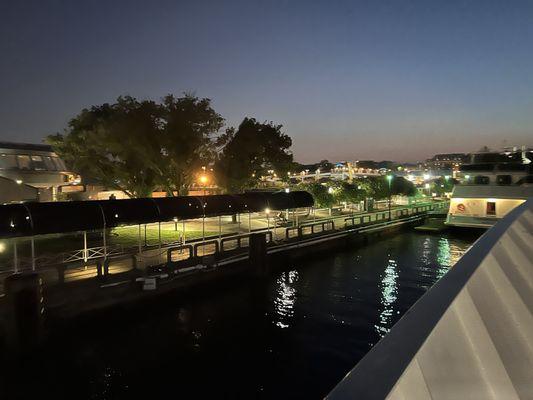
292	335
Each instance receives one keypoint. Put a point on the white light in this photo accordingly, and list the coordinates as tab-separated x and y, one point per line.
267	211
287	190
426	185
175	219
330	190
2	247
426	177
19	182
116	215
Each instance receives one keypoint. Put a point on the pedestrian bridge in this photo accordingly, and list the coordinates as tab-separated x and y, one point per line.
468	337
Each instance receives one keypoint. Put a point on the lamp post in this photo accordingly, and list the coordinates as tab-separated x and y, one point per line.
203	181
389	180
267	212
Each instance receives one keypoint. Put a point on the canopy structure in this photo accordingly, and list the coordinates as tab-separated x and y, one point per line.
29	219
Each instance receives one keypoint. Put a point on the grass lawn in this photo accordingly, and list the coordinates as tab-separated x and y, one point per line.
126	236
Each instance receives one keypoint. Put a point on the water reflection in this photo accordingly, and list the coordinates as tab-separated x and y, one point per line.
389	294
448	253
285	299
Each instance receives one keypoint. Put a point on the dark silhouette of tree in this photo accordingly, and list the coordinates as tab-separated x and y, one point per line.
323	198
401	186
135	146
249	152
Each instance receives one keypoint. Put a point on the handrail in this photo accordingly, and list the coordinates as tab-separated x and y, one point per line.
382	370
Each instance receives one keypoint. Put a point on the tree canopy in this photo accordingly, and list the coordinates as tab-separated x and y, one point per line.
323	198
135	146
249	152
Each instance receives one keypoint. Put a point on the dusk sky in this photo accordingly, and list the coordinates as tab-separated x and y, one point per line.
349	80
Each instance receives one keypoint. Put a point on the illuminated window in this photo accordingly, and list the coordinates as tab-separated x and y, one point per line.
8	161
24	162
491	208
38	163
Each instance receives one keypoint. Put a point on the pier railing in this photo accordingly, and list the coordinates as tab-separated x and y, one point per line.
469	336
83	263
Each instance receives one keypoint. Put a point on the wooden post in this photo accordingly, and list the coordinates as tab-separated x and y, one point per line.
257	254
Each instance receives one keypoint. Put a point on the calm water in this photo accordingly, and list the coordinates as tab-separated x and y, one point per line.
293	335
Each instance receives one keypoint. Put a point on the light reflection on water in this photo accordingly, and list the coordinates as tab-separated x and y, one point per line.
389	294
317	319
285	299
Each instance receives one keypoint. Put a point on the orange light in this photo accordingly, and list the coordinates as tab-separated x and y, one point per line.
203	179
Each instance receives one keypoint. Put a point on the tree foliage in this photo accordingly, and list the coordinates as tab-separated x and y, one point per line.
401	186
320	193
135	146
442	185
249	152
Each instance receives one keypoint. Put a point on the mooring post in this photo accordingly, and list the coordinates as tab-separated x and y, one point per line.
258	254
24	311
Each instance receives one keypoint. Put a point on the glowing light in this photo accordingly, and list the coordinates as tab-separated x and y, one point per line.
426	186
203	179
267	211
19	182
287	190
2	247
426	177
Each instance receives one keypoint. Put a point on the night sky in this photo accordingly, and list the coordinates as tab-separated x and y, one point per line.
373	79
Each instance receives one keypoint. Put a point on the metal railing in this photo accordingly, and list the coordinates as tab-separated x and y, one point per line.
469	336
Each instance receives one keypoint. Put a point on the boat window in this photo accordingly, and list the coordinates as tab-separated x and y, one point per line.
481	180
60	165
8	161
50	166
38	163
504	179
491	208
24	161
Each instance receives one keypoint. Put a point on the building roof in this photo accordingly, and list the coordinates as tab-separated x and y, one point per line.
25	146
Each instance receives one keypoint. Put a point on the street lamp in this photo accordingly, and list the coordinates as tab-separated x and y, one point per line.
389	180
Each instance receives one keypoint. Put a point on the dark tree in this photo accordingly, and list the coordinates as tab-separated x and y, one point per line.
249	152
136	146
401	186
323	198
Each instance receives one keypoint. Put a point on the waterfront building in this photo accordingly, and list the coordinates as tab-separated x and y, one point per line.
33	172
